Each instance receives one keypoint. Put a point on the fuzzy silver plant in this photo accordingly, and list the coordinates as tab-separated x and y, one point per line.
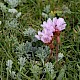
21	62
13	3
12	14
9	65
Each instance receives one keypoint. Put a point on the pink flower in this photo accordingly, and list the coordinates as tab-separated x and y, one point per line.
40	34
47	24
59	24
54	25
47	32
46	38
50	27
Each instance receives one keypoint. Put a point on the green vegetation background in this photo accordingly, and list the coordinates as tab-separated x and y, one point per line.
32	17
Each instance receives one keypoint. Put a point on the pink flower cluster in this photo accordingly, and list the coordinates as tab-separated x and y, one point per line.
49	28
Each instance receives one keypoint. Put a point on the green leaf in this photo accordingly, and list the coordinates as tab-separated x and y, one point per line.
61	74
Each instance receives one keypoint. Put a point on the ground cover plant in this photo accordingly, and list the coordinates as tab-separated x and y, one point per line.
23	56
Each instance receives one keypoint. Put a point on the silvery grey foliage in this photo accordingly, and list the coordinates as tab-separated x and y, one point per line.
18	15
11	23
19	76
9	65
24	48
13	3
44	15
20	50
3	7
35	69
49	69
12	18
21	62
60	56
12	11
42	53
66	9
13	40
12	14
47	9
13	75
28	47
29	32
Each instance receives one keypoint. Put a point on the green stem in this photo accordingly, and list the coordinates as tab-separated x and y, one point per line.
23	73
7	74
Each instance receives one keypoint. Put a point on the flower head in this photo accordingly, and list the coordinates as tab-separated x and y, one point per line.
40	34
59	24
45	36
48	25
51	27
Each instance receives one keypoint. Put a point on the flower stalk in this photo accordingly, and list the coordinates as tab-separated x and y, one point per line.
51	52
57	35
51	30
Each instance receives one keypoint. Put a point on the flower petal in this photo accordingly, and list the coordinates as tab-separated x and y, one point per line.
37	36
46	39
